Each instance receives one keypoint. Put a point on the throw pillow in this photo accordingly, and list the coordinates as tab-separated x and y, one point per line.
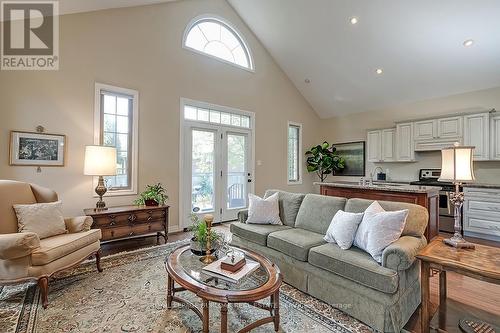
342	229
44	219
379	229
263	211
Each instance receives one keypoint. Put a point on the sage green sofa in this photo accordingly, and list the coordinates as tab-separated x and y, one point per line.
384	296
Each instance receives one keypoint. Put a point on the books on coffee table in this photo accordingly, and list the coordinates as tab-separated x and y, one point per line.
214	269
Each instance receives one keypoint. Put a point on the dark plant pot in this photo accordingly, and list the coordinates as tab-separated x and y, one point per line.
150	202
198	249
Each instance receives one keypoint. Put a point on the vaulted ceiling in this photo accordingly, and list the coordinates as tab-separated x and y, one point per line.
417	44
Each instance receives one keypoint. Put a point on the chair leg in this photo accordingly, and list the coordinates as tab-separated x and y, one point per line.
43	284
98	260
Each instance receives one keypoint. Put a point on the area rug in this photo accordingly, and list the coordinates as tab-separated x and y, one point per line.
130	296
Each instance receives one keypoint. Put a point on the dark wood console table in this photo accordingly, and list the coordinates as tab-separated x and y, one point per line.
124	222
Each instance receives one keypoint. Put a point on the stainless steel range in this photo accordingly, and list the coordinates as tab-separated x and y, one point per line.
429	177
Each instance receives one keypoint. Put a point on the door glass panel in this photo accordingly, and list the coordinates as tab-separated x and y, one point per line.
236	171
203	167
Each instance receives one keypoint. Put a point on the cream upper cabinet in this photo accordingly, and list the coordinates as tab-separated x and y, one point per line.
451	127
405	150
443	128
374	139
495	138
388	145
425	129
477	134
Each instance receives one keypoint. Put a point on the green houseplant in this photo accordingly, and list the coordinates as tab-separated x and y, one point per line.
154	195
324	160
200	236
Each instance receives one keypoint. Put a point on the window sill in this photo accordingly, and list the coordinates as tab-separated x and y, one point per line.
299	182
117	193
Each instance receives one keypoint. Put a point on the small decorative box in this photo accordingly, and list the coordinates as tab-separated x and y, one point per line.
233	262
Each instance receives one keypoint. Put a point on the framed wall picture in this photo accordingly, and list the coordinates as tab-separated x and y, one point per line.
37	149
354	156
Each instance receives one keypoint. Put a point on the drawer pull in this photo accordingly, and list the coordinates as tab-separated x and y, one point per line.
150	218
131	233
494	227
132	218
150	212
112	223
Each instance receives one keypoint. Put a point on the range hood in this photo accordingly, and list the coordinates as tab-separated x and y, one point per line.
435	144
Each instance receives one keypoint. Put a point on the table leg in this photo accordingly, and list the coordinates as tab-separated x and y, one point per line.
206	315
275	304
170	291
424	307
223	317
442	300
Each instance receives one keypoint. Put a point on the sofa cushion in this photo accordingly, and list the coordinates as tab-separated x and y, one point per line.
317	211
294	242
356	265
417	219
55	247
256	233
44	219
289	205
11	193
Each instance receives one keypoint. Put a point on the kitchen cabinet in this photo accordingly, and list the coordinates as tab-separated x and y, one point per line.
405	150
388	145
451	127
477	134
482	212
425	129
374	146
495	138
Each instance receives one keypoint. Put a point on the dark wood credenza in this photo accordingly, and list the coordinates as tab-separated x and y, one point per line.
124	222
428	200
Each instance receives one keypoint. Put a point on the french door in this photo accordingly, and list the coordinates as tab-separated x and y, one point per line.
216	171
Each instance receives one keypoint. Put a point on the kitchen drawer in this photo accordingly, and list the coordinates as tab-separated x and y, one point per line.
131	230
482	206
492	194
482	225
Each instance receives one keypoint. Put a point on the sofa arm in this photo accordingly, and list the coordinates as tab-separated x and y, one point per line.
400	255
18	245
78	224
243	215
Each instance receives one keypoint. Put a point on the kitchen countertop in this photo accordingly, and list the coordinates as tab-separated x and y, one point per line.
480	185
384	186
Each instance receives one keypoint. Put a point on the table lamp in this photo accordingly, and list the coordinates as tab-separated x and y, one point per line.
457	167
100	161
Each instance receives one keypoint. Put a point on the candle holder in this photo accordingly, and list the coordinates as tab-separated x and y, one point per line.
208	258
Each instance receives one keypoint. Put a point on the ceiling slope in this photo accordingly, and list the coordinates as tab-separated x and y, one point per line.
418	44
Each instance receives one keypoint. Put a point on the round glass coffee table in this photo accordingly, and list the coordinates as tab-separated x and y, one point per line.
186	269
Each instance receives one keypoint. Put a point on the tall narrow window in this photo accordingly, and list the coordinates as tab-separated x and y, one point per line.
214	37
116	126
294	153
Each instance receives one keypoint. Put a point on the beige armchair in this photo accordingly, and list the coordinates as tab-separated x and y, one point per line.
23	256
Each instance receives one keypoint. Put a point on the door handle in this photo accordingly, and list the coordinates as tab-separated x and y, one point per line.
249	180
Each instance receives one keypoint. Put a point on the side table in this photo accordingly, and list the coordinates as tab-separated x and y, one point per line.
124	222
481	263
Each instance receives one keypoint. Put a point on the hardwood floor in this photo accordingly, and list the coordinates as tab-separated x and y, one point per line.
479	294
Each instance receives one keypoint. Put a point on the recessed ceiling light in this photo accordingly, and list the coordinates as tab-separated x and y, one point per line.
353	20
379	71
307	81
468	42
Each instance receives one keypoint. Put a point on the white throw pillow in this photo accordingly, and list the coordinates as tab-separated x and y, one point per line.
44	219
342	229
379	229
263	211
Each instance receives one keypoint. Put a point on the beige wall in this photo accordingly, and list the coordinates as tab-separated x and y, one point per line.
140	48
354	127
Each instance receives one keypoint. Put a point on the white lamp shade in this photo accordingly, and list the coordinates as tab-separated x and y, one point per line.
100	161
456	164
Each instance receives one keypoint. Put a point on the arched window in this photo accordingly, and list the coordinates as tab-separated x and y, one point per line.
217	38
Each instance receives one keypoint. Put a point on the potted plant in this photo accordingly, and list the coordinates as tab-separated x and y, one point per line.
200	236
154	195
324	160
